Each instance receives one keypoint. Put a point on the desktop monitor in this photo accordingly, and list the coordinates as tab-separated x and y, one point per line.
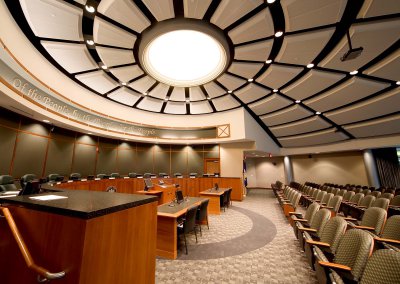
147	184
31	187
179	196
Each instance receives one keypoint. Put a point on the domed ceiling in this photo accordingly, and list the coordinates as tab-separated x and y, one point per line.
309	72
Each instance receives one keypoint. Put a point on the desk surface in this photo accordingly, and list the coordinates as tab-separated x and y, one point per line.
212	191
178	209
81	203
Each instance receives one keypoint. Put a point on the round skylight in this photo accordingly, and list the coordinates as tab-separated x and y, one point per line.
184	58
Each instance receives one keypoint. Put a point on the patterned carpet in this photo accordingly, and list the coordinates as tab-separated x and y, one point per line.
251	242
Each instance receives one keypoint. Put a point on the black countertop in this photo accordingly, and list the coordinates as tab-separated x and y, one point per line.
83	204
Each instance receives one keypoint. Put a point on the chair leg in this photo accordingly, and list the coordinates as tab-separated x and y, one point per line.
184	236
195	233
201	234
207	224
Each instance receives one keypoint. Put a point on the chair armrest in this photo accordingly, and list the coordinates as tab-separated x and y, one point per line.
334	265
320	244
294	213
394	206
390	241
327	207
300	220
361	206
307	229
323	203
364	228
350	219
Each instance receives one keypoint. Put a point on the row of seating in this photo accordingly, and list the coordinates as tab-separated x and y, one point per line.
340	248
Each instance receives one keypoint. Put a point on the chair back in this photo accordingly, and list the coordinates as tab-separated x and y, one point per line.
52	177
26	178
315	193
7	183
327	198
329	189
335	190
202	212
229	193
311	210
319	220
358	190
366	191
333	231
341	192
367	201
376	193
190	219
381	203
147	175
395	201
387	195
392	228
382	267
353	250
295	199
101	176
320	195
374	217
115	175
356	198
75	176
132	175
348	195
335	203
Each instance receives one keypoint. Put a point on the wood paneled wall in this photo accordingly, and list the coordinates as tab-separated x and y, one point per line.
29	146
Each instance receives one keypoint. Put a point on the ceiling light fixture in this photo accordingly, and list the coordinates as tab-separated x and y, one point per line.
90	133
90	42
310	65
278	34
352	53
318	113
123	83
354	72
45	120
270	1
104	67
269	61
229	92
90	9
275	90
398	83
250	80
185	57
298	101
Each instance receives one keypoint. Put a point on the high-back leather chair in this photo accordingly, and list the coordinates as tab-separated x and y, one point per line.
115	175
75	176
52	177
26	178
7	183
189	224
132	175
202	214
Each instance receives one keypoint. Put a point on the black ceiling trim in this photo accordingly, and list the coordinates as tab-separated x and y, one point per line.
247	61
60	40
111	91
211	10
246	17
377	18
137	78
372	119
178	8
166	98
208	98
85	71
292	121
306	133
112	46
145	11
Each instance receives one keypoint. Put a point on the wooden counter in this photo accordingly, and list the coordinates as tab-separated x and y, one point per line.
165	193
189	186
95	237
214	207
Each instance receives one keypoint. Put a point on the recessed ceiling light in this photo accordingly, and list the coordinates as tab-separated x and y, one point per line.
278	34
104	67
270	1
275	90
90	133
250	80
354	72
90	9
126	139
45	120
269	61
298	101
230	92
166	99
398	83
208	98
310	65
89	42
123	83
184	58
145	93
187	101
318	113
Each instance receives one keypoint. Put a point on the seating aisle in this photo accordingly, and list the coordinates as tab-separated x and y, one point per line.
251	242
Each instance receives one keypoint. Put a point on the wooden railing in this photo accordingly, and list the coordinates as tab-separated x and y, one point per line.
44	274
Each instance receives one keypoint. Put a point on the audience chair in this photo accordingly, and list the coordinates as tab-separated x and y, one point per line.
308	216
376	193
373	220
341	192
329	240
381	203
291	205
188	224
26	178
387	195
395	202
147	175
348	195
202	215
350	258
390	237
316	225
326	199
75	176
382	267
7	183
335	191
334	205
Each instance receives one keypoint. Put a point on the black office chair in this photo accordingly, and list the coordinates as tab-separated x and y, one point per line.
224	200
115	175
193	175
7	183
202	214
189	224
25	178
162	175
132	175
75	176
101	176
229	200
52	177
147	175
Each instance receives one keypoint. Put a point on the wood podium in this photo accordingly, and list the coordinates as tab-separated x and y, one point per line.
164	192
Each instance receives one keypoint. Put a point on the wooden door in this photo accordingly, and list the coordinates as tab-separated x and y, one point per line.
211	166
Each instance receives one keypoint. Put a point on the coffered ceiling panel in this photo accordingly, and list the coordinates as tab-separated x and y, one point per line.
377	127
124	96
246	70
200	107
373	37
387	68
269	104
384	104
98	81
124	12
311	83
347	92
114	56
213	90
286	115
195	8
258	26
229	11
225	102
162	10
305	14
72	57
258	51
127	73
53	19
150	104
175	108
286	96
312	139
251	93
277	75
303	126
108	34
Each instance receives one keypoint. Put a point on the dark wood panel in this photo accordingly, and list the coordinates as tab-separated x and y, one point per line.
127	161
145	161
59	157
84	159
162	160
179	162
107	160
7	142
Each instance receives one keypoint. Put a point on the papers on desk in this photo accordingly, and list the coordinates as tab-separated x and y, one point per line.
70	181
126	177
11	193
47	197
112	178
97	179
84	179
139	177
